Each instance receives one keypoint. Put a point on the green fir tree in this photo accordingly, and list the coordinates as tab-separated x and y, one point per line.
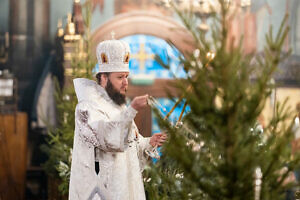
219	152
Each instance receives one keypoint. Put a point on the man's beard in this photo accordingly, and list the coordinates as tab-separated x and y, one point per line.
114	94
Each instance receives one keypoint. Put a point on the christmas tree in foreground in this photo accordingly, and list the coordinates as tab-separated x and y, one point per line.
218	151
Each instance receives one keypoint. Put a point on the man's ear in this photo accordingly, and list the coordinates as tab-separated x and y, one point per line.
104	79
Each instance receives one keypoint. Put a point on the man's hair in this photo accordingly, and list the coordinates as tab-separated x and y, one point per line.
98	76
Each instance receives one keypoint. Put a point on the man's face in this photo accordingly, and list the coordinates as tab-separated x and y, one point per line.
120	81
116	86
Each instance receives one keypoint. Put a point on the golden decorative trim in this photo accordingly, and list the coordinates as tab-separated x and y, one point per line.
126	59
104	58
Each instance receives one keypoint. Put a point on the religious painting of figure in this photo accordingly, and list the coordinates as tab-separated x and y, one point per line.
295	26
248	22
256	21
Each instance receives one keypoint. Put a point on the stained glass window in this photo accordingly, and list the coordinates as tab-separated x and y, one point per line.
142	59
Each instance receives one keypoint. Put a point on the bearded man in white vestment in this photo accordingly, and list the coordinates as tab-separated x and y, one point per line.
109	154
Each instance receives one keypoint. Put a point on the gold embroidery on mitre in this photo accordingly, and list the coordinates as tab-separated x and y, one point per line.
126	58
104	58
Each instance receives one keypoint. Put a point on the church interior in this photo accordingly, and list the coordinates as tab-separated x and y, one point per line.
37	43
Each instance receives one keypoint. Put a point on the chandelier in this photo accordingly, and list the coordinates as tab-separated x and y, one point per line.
204	8
203	5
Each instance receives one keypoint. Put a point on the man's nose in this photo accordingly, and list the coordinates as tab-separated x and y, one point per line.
125	81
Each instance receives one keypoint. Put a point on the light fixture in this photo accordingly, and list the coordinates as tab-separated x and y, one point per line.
166	3
60	30
203	8
245	3
70	31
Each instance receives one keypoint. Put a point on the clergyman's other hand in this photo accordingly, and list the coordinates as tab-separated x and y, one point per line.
158	139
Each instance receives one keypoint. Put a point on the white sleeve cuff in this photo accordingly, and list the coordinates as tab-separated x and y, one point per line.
130	113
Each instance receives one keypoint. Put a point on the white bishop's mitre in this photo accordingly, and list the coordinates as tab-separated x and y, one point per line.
113	56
